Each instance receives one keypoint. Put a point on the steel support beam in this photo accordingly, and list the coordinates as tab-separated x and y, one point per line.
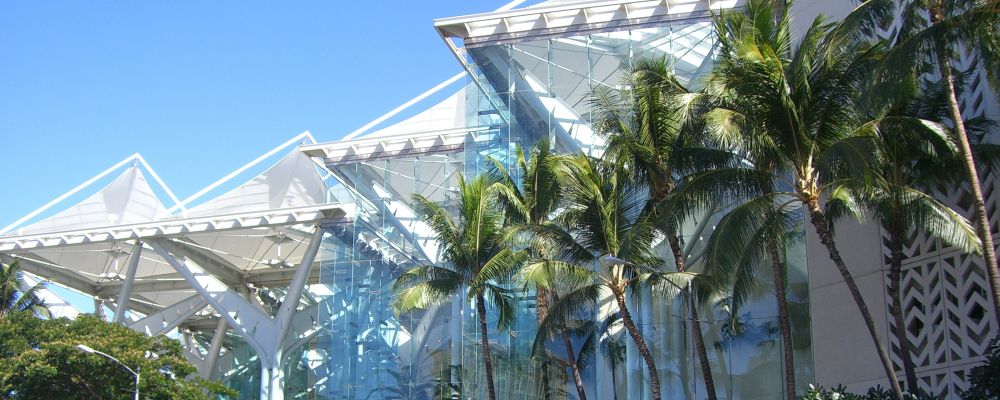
126	289
168	318
191	353
53	272
252	324
212	358
145	285
275	277
209	261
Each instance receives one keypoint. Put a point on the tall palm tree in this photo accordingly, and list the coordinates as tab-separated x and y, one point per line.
13	295
604	236
799	105
652	129
473	257
931	34
751	234
916	154
533	202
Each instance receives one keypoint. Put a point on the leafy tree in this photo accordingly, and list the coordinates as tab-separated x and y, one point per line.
474	257
39	359
796	107
13	295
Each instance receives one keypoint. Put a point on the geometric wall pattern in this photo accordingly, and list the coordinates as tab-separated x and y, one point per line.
945	293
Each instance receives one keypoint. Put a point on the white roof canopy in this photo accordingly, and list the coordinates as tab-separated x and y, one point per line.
250	234
127	200
561	15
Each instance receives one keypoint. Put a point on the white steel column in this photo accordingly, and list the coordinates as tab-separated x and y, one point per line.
253	325
212	358
275	371
99	309
260	331
126	290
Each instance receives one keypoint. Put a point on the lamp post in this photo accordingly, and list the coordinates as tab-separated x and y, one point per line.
86	349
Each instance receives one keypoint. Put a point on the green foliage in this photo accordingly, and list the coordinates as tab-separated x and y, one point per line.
841	393
13	299
39	359
473	254
984	380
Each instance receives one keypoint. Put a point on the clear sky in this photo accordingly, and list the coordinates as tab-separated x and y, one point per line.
198	87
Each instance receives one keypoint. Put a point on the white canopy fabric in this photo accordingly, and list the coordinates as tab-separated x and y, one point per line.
235	235
449	114
127	200
292	182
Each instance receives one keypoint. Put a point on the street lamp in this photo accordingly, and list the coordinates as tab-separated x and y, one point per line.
86	349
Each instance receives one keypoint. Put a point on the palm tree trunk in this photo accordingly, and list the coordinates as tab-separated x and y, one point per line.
485	342
783	322
699	345
640	344
570	354
614	383
542	311
982	218
895	280
699	339
818	219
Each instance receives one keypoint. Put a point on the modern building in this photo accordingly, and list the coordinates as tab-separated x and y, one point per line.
332	224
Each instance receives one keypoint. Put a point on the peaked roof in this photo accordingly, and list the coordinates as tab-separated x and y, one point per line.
127	200
445	115
292	182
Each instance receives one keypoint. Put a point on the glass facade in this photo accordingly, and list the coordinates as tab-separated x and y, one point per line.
519	92
543	85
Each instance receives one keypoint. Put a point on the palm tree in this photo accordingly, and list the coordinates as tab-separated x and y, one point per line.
652	128
797	108
742	240
915	154
604	238
932	32
473	257
749	235
613	349
13	295
532	203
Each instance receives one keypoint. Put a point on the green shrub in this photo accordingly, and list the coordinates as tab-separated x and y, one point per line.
984	380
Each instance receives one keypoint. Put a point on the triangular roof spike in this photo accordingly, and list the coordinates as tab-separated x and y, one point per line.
404	106
300	139
292	182
135	159
128	199
445	115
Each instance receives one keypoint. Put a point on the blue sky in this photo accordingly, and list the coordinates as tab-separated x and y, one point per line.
198	88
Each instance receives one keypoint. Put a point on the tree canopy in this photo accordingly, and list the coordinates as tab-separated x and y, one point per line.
39	359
